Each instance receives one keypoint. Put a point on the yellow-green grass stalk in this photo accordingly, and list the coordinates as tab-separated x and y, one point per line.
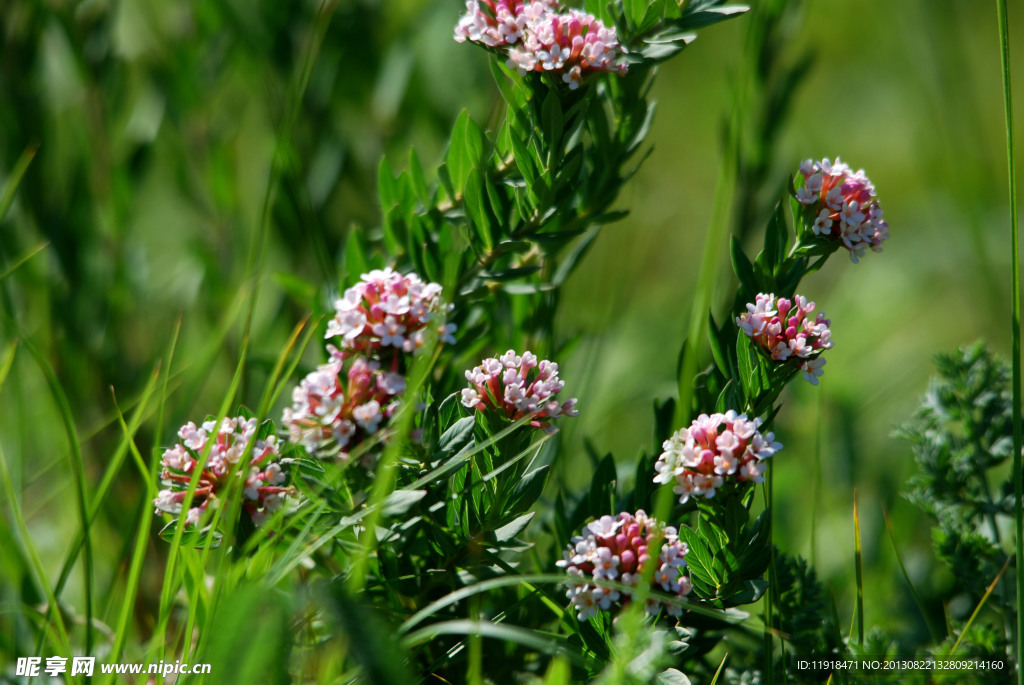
936	637
1018	487
77	469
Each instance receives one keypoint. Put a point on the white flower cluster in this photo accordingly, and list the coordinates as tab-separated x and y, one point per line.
616	548
517	385
333	412
388	310
784	329
849	212
714	448
264	489
380	320
537	37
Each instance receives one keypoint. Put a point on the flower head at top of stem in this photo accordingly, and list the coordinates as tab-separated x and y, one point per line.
516	386
535	36
783	328
617	549
263	491
844	205
388	312
333	412
712	450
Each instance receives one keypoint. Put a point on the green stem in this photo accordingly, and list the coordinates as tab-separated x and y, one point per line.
1004	55
770	596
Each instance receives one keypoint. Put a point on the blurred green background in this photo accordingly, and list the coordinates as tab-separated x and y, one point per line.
156	122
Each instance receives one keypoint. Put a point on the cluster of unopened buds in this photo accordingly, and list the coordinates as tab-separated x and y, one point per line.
334	411
784	329
517	386
847	209
617	549
714	448
263	491
388	312
537	37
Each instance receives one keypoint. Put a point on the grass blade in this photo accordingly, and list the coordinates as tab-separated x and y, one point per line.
546	643
720	667
984	598
53	613
906	576
113	467
858	557
77	469
24	258
138	553
1018	486
20	167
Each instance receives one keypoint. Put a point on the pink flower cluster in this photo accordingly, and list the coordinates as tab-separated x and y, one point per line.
616	549
263	491
333	411
538	38
713	448
388	310
783	329
517	386
848	211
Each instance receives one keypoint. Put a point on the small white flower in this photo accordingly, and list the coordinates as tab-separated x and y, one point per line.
822	223
813	369
553	58
368	416
806	196
605	527
834	199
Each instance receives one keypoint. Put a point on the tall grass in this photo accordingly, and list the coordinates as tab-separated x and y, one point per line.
1018	475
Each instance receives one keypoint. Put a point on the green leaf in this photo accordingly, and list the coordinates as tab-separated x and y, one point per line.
730	397
400	501
755	548
511	274
192	537
510	84
672	677
527	491
445	179
800	219
570	260
386	189
752	591
465	150
517	526
753	376
553	125
500	209
776	240
524	160
449	411
718	346
601	499
662	48
700	563
701	14
712	534
744	270
417	179
458	437
633	12
476	208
